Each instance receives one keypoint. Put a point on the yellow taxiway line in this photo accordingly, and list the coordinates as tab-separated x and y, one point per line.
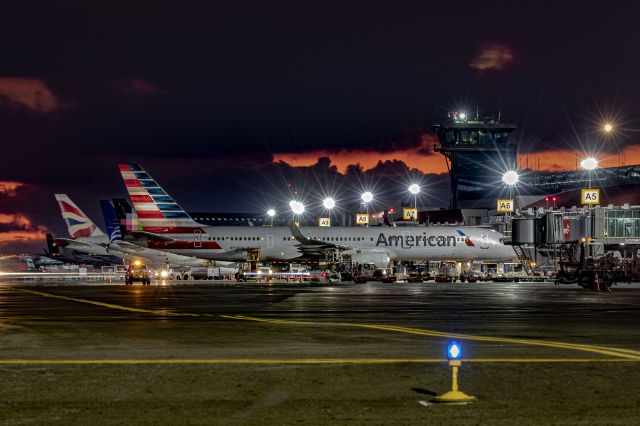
627	354
601	350
303	361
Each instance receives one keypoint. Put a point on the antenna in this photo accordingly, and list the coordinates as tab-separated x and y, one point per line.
477	113
499	113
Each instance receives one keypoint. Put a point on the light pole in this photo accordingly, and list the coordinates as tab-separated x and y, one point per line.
589	164
296	207
271	213
329	203
511	179
415	190
367	197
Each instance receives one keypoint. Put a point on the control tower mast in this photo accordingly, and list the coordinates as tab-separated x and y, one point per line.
477	154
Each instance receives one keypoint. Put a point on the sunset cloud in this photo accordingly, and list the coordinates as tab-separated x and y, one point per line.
548	160
9	238
492	56
9	188
420	157
30	93
15	219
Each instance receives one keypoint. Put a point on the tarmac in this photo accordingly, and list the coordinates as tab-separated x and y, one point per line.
227	353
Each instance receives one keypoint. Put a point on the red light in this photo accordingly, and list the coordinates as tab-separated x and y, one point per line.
373	216
554	199
546	198
392	210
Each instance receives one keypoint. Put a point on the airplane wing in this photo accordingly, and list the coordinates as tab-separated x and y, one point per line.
151	236
71	242
311	247
130	246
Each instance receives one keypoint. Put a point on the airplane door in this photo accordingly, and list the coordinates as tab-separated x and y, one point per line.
269	241
484	241
197	238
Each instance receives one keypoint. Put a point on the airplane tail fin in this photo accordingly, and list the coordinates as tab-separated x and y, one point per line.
78	223
51	245
111	221
127	218
156	210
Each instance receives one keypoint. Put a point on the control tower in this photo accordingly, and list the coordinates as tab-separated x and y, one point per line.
478	153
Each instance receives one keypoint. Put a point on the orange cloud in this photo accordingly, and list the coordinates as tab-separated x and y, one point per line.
414	157
21	236
548	160
15	219
555	160
492	56
9	188
30	93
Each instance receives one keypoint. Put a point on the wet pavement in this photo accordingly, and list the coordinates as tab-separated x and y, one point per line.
290	353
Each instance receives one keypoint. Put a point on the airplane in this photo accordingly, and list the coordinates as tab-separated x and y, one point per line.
167	226
87	238
120	218
57	252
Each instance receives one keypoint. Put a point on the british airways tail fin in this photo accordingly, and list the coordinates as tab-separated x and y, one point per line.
154	207
78	224
111	222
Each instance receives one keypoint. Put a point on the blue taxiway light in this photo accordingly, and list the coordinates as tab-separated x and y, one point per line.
454	350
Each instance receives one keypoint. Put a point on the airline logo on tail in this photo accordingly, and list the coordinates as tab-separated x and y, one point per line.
78	224
111	221
155	209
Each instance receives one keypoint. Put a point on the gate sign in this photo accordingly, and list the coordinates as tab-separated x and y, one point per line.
362	219
324	221
505	206
409	213
590	196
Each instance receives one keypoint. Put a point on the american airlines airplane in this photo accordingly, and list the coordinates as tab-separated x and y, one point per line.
166	226
86	237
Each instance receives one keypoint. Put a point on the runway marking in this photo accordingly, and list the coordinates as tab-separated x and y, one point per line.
307	361
108	305
602	350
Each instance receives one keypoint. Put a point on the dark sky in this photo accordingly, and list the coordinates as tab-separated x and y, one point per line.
207	95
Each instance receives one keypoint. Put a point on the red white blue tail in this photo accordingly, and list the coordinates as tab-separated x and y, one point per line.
78	224
156	210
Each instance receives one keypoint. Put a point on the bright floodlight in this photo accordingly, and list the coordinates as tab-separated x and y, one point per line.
462	116
297	207
414	189
608	127
589	163
367	197
271	212
510	178
329	203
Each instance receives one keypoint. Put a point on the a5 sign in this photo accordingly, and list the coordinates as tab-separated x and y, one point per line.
590	196
362	219
505	205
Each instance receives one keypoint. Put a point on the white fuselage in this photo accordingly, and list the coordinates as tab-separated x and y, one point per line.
400	243
100	246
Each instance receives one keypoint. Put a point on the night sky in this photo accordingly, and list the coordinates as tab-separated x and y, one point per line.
225	104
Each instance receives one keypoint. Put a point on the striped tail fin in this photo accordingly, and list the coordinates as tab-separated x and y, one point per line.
111	222
78	224
155	209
